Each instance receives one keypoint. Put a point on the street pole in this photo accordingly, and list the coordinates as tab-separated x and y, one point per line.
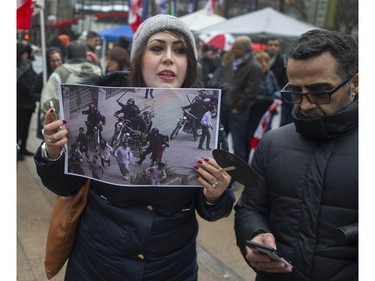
43	39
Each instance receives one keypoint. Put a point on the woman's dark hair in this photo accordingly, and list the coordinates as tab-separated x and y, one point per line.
341	46
121	56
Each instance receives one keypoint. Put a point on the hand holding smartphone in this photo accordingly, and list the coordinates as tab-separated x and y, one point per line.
266	250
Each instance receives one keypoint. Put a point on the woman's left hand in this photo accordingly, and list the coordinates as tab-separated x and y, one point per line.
212	177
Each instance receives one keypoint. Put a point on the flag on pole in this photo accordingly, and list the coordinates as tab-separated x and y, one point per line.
263	125
210	6
24	14
135	14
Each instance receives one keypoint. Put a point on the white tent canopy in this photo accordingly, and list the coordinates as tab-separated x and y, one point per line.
262	23
201	19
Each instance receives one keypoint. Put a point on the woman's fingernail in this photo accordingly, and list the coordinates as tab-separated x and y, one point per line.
200	161
64	121
206	159
197	176
196	167
51	110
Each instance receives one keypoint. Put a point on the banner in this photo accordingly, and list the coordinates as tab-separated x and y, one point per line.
24	14
135	14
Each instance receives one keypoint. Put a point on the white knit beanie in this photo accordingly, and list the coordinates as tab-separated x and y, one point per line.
156	24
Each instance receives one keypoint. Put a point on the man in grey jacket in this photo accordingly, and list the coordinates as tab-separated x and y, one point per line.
74	70
306	196
243	75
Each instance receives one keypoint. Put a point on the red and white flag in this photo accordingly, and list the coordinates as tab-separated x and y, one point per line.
135	14
263	124
210	6
24	14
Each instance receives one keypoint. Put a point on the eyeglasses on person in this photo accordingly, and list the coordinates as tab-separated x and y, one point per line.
323	97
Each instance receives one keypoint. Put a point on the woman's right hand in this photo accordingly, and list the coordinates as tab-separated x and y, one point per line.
55	134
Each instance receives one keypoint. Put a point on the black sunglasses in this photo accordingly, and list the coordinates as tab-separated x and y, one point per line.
324	97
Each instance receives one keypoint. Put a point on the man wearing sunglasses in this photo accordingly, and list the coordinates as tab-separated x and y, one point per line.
305	201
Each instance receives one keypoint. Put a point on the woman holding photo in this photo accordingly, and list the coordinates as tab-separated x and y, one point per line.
141	233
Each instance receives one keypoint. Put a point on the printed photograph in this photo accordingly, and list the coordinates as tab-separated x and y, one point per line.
139	136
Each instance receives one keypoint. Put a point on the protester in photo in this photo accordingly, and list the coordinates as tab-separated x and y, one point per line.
206	123
141	233
157	174
305	200
105	152
96	169
123	156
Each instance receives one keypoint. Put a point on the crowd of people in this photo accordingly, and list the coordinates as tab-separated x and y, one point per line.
306	170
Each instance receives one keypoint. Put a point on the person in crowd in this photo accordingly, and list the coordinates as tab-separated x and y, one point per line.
269	90
207	64
159	223
157	174
25	102
243	76
124	43
277	66
92	42
58	43
206	123
54	59
65	39
305	198
74	70
124	155
117	60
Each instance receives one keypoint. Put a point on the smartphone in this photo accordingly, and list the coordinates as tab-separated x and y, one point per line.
266	250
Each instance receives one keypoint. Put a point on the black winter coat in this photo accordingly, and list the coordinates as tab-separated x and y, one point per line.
307	189
25	79
133	234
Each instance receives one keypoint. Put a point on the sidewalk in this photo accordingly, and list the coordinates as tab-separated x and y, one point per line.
218	256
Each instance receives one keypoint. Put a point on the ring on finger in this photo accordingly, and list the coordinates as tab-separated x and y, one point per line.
50	139
214	185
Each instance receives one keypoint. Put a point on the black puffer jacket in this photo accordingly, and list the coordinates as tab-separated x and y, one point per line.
307	189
